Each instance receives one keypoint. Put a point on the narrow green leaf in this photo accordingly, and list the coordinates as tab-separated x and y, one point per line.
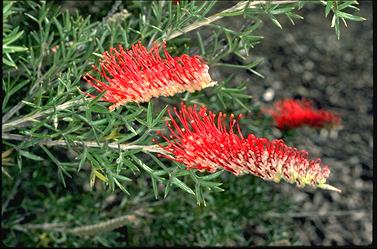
159	172
100	176
12	37
13	49
32	17
256	73
9	62
149	114
19	162
350	17
210	184
159	116
232	13
92	178
143	165
167	188
281	10
198	194
345	5
98	108
61	176
333	21
218	189
30	155
123	178
201	44
31	104
337	29
183	173
131	165
130	128
83	158
52	157
121	186
17	87
97	54
212	176
329	5
7	9
157	161
276	22
183	186
155	190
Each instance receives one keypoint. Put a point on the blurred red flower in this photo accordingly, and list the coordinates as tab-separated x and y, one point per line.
137	75
291	113
200	140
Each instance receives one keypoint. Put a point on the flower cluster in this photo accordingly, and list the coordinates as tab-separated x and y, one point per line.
291	113
137	75
200	140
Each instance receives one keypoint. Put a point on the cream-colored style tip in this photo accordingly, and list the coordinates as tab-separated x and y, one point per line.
329	187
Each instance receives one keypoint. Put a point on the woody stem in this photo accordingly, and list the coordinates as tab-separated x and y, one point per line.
220	15
47	142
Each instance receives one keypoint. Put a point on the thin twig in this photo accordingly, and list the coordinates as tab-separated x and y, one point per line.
46	226
20	122
101	227
146	148
220	15
94	229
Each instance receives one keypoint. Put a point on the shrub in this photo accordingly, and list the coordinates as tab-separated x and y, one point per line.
75	173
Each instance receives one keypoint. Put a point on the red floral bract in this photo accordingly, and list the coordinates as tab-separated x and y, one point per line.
137	75
200	140
291	113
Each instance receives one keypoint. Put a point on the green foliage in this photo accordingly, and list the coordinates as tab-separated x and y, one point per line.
219	223
64	154
339	8
10	35
227	219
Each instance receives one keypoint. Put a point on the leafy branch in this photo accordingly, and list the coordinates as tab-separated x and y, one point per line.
125	147
61	48
233	11
338	9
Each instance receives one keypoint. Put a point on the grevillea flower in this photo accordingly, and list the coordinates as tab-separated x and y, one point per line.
200	140
137	75
291	113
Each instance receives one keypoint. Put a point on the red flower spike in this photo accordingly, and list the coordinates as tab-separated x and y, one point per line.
291	113
137	75
201	140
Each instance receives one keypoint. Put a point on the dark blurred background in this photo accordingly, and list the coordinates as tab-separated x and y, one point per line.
307	60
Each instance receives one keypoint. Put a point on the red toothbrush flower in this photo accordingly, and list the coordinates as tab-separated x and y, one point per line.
200	140
291	113
137	75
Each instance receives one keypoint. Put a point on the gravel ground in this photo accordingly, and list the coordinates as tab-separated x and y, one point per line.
306	60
